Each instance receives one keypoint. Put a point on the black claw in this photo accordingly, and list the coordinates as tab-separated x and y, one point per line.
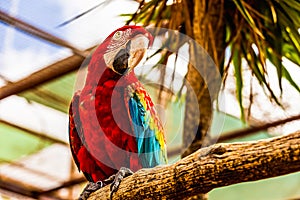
90	188
117	178
109	180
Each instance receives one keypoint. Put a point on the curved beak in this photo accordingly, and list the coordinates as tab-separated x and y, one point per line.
138	47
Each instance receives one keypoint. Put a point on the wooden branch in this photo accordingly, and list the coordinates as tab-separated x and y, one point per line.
212	167
44	75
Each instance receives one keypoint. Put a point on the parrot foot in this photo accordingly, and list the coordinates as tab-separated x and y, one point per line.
90	188
116	179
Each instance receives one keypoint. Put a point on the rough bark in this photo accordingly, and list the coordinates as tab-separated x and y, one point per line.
212	167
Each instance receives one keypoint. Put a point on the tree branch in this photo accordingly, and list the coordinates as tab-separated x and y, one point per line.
44	75
212	167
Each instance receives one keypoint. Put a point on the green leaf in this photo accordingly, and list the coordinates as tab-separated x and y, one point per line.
247	16
290	53
262	77
294	38
237	63
277	62
292	11
288	77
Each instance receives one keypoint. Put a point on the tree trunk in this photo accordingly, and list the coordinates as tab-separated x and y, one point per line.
212	167
204	83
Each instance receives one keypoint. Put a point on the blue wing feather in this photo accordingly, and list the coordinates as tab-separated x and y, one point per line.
151	153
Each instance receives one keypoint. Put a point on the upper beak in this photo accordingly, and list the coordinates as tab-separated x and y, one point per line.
138	46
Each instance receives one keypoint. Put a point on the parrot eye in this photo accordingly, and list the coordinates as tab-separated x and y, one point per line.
117	35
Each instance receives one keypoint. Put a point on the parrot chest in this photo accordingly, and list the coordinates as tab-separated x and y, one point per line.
105	117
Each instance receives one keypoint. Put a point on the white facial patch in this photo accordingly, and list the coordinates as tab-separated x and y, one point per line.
109	57
119	39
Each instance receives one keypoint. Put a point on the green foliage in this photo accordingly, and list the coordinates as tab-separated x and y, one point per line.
152	12
264	30
254	32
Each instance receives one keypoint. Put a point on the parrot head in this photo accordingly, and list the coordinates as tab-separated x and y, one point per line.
124	48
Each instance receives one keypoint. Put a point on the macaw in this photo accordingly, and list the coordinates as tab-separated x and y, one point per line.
114	128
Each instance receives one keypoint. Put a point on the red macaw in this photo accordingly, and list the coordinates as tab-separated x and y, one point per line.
113	123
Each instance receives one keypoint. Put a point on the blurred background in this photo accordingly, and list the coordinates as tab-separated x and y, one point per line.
39	62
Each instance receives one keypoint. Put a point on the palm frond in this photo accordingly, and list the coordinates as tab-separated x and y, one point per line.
272	27
237	62
255	32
